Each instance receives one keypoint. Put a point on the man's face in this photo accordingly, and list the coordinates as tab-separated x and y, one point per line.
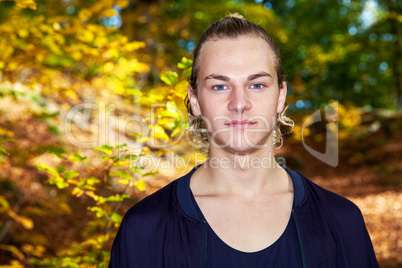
238	93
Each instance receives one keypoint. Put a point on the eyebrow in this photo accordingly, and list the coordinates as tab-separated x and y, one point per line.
226	78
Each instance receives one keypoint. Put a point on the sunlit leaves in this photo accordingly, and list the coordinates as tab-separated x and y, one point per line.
48	169
24	3
57	155
115	217
14	251
76	157
71	174
110	12
105	148
3	151
140	185
121	174
184	63
24	221
60	43
170	77
158	132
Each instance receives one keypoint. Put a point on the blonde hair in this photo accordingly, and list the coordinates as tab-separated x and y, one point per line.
233	26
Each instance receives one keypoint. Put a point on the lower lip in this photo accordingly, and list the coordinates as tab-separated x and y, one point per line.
245	125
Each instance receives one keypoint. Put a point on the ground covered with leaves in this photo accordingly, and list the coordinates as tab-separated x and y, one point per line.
369	174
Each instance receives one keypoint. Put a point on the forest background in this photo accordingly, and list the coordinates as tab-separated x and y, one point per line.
92	116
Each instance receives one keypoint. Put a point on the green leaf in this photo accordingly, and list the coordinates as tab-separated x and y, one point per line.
3	202
105	157
5	139
170	78
88	187
48	169
115	217
54	130
58	155
121	174
76	157
3	151
121	145
45	115
61	168
62	184
151	173
129	157
113	198
186	73
99	212
184	63
105	148
71	174
55	61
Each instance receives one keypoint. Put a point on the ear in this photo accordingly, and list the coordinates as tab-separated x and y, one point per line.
195	107
282	97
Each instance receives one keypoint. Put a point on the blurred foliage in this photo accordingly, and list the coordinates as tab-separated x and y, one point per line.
343	50
90	88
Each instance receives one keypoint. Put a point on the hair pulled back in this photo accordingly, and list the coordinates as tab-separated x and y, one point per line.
233	26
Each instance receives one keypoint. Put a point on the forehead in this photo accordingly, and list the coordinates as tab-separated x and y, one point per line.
236	56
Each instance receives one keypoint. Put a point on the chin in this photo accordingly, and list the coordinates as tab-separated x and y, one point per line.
241	147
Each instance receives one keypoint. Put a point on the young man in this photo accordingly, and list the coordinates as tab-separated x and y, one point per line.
241	209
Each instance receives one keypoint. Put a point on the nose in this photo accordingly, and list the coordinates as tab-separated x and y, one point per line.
239	102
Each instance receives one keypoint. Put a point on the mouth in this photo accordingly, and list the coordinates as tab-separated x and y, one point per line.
240	123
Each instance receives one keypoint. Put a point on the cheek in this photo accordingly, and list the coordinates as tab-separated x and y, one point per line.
208	109
206	103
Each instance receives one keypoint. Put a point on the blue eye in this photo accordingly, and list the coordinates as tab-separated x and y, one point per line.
257	86
219	87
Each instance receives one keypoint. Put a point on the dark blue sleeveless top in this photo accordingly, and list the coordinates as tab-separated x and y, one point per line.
284	252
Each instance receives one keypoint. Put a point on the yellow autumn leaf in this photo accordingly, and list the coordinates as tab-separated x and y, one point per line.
111	53
159	132
122	3
24	221
108	67
176	132
140	185
33	250
6	132
77	191
171	110
23	33
14	250
134	46
85	36
71	94
117	86
110	12
125	182
15	264
26	4
76	55
91	242
85	14
140	67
